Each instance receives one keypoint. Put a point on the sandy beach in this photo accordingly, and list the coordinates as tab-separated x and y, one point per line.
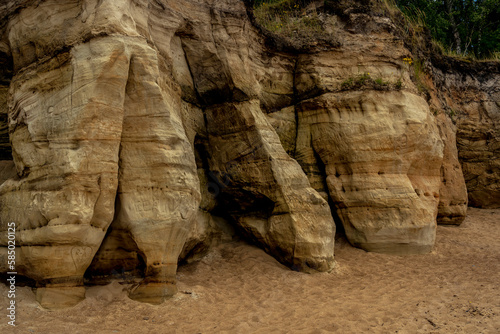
238	288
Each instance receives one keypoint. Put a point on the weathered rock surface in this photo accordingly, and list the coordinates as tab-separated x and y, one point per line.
377	146
90	127
95	122
84	149
382	155
470	95
453	191
143	132
5	150
7	170
273	201
478	140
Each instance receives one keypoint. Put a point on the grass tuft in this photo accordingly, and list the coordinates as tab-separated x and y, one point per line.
365	81
294	20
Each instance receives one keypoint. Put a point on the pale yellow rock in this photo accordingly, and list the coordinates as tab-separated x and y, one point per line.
382	154
98	117
275	204
236	82
100	139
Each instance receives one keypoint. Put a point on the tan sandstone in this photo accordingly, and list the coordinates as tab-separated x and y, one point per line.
144	132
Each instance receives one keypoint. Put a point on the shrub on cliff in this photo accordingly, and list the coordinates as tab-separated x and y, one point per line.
302	23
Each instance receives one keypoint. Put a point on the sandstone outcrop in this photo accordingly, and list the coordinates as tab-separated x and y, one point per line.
478	141
98	141
453	191
470	94
384	179
144	132
84	149
374	138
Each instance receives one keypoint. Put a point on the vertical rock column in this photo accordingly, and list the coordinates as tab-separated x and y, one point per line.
81	123
158	193
65	119
452	206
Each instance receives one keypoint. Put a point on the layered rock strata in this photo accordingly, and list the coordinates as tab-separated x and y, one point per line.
384	180
97	135
453	199
143	132
469	93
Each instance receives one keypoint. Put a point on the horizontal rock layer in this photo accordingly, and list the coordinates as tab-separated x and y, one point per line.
469	93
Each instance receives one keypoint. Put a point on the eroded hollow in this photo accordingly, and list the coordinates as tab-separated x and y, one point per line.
117	258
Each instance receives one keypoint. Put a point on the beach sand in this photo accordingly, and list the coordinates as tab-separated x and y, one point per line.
238	288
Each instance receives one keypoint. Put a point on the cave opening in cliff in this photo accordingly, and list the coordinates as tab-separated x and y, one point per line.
118	256
230	204
7	168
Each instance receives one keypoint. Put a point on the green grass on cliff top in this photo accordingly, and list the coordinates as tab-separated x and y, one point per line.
288	18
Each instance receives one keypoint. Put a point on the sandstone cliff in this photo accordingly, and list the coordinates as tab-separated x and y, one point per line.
145	131
470	94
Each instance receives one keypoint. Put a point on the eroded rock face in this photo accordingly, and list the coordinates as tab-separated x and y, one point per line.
382	155
82	146
368	139
7	170
5	150
143	132
478	140
95	121
471	97
90	126
453	191
278	204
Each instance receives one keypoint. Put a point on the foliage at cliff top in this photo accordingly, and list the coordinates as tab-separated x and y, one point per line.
463	27
469	28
